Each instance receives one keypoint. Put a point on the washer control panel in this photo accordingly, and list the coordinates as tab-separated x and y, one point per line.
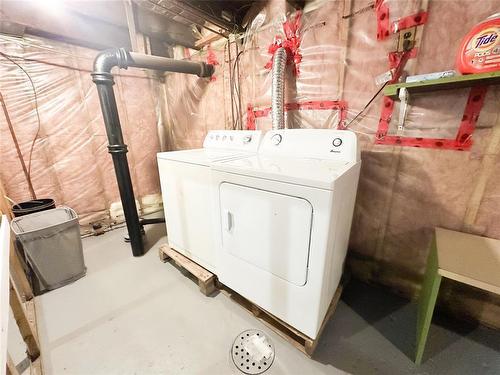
247	140
311	143
276	139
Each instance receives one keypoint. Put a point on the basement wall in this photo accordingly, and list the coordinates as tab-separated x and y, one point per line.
70	161
404	192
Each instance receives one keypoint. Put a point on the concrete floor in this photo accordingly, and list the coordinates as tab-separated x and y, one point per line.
141	316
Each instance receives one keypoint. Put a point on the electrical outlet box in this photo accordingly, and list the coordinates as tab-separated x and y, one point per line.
406	40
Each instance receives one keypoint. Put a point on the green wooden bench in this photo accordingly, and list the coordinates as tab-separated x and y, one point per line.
469	259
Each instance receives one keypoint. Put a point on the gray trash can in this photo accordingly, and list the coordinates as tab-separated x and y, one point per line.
52	247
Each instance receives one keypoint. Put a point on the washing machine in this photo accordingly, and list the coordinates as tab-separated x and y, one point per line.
284	218
186	187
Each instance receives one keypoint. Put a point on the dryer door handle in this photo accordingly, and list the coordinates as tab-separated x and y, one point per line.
229	220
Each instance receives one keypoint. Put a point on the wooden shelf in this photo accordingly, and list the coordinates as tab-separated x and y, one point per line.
455	82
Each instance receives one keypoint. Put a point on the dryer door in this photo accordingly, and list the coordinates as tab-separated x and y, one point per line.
268	230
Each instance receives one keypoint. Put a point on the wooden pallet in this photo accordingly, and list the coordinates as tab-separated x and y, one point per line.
207	282
206	279
299	340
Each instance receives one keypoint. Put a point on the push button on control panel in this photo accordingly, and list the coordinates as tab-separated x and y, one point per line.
247	139
337	142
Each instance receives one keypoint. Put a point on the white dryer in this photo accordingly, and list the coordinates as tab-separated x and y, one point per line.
186	188
285	217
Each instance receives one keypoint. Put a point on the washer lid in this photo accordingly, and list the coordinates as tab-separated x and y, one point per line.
319	173
200	156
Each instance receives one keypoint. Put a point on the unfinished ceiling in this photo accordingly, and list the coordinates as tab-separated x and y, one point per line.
211	15
100	25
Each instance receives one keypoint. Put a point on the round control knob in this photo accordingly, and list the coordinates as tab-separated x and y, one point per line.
247	139
223	137
276	139
337	142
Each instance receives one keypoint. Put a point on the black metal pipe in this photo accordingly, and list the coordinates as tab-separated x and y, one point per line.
153	220
138	60
102	77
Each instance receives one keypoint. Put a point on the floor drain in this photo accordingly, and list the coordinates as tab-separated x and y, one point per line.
252	352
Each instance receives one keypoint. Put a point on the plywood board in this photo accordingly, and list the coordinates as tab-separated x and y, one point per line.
470	259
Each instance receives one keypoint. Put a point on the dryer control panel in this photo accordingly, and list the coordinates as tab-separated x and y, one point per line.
245	140
311	143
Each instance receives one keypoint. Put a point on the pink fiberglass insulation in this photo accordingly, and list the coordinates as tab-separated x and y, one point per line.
70	162
403	192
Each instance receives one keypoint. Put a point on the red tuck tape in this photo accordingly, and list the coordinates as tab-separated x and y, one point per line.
385	28
471	114
397	61
290	41
212	59
339	105
385	119
463	139
440	143
250	117
409	21
382	12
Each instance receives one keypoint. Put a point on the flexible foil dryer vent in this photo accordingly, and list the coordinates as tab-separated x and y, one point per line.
278	89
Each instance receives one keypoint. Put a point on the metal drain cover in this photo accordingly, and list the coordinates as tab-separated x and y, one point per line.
252	352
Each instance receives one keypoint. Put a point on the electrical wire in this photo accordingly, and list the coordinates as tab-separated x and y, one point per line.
35	43
237	90
35	95
17	147
397	73
367	104
230	81
64	66
360	11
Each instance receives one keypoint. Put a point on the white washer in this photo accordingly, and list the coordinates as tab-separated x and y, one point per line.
285	217
185	180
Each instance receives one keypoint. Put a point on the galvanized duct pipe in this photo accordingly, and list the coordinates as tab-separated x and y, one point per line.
102	77
278	89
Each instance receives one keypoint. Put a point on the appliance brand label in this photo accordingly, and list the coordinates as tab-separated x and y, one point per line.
485	40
